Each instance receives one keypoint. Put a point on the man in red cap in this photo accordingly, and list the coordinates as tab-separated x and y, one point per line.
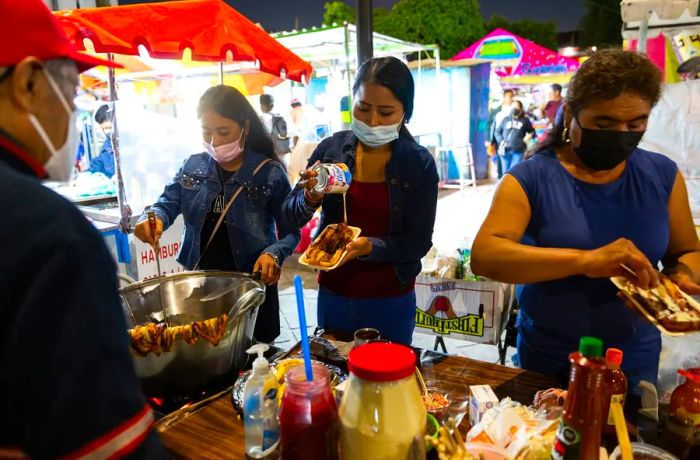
67	386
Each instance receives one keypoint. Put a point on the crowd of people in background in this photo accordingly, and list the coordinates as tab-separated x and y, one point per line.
514	130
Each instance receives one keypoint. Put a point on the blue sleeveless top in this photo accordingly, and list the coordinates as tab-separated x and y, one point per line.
570	213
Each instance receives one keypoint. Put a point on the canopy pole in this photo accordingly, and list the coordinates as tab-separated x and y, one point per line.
124	208
437	59
643	32
365	45
221	72
420	67
347	62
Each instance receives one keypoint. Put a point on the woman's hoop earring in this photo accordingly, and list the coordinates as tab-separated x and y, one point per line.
565	136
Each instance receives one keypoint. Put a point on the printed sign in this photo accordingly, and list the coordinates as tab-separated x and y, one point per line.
687	44
145	256
467	310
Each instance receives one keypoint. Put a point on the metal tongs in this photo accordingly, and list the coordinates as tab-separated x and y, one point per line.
156	247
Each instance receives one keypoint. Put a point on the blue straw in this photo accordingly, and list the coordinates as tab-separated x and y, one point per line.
302	324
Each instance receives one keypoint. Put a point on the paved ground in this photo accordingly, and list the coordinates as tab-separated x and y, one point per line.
459	216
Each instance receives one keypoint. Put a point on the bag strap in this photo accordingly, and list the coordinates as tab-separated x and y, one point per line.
225	210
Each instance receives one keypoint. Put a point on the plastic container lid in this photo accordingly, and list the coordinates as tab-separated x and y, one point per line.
382	361
614	356
591	347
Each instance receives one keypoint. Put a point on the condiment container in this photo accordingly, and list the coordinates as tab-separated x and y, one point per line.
382	412
308	416
578	436
643	451
685	400
332	178
614	387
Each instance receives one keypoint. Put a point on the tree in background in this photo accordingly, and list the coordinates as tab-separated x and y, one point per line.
338	13
452	24
542	33
602	24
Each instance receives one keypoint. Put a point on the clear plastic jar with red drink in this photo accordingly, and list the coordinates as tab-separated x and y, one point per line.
308	416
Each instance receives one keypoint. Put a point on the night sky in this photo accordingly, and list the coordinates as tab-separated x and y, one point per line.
278	15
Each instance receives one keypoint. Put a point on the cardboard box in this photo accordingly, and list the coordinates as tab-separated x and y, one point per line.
481	399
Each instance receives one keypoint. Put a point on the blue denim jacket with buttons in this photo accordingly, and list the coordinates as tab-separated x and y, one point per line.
412	178
255	220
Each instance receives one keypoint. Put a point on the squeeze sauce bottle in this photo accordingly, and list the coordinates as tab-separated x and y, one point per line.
614	387
578	436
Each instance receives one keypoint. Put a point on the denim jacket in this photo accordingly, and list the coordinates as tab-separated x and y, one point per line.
255	220
412	178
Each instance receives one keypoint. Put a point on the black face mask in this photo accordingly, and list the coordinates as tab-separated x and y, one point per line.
602	149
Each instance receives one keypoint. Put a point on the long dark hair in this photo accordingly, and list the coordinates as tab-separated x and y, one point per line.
230	103
394	75
604	76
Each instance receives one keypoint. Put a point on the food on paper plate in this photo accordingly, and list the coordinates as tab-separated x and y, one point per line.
670	307
328	249
159	338
521	431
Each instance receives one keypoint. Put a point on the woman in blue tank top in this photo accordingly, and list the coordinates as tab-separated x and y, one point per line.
563	222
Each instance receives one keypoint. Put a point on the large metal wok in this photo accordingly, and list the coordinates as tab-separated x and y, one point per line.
188	367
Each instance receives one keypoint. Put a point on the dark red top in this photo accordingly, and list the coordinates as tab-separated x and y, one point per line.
369	209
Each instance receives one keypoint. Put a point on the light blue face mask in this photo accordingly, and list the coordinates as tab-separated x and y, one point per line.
375	136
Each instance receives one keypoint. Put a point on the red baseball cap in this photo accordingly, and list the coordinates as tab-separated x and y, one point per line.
30	29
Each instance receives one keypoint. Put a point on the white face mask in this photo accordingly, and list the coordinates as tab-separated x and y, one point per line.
375	136
61	163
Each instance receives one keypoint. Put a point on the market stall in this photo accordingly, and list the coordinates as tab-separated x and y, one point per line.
148	115
327	100
667	31
213	429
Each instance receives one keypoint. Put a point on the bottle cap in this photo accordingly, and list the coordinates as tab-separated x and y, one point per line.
260	365
591	347
691	374
614	356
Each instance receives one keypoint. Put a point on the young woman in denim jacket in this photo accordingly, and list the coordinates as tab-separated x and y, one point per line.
392	198
253	237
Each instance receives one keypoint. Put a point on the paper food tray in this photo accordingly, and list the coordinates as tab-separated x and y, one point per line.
302	260
618	282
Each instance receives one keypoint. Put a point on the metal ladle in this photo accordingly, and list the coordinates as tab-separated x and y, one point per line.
156	247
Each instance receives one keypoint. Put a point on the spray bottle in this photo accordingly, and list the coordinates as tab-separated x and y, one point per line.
262	430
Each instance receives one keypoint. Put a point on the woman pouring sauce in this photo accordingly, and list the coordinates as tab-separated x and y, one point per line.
586	204
392	198
239	176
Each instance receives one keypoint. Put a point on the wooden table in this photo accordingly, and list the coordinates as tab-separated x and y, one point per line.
215	431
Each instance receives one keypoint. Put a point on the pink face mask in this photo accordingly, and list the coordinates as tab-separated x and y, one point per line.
224	153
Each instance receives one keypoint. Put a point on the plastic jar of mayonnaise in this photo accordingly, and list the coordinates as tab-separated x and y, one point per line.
382	413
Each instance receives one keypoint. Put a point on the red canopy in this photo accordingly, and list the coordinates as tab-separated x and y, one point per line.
210	28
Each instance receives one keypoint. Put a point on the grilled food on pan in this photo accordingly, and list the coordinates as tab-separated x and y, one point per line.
667	304
157	338
329	247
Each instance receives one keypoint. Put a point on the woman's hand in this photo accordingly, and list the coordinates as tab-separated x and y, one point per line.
607	261
269	269
142	231
358	248
684	281
308	182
